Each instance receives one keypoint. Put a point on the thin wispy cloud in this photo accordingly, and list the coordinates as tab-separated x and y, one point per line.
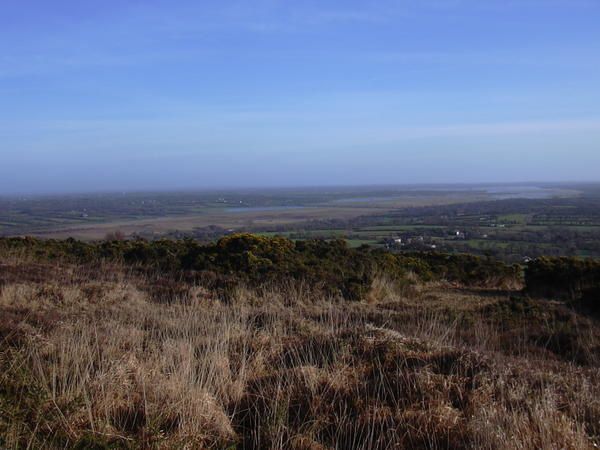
146	33
296	85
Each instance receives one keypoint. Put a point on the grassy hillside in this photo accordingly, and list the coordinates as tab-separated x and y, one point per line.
266	343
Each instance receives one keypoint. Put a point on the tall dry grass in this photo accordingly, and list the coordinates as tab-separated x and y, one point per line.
101	362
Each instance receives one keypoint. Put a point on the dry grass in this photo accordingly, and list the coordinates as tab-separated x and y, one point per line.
95	361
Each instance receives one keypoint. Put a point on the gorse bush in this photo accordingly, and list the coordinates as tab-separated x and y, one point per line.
254	260
563	277
467	269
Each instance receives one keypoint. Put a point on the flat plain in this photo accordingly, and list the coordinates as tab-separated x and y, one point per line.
149	214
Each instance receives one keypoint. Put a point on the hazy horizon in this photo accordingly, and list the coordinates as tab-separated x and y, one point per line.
164	96
400	187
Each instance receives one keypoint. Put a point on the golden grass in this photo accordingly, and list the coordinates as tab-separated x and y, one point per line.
97	361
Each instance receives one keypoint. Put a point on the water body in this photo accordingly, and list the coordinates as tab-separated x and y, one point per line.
241	209
496	192
367	199
528	192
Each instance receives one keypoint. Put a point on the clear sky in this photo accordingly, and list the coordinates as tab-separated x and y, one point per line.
130	95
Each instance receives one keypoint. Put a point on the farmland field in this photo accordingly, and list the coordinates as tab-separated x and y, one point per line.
508	221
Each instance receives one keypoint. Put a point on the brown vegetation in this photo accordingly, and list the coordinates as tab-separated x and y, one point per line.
104	357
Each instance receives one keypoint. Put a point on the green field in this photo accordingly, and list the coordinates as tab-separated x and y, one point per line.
514	218
508	228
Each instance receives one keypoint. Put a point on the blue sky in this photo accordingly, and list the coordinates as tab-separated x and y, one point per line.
131	95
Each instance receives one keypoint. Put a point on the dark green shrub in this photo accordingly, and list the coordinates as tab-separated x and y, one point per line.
563	277
254	260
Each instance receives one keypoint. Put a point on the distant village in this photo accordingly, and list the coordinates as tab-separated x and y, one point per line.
412	241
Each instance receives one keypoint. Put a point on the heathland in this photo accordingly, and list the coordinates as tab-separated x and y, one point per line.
263	342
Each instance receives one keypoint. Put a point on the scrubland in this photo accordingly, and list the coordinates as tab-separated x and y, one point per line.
107	356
